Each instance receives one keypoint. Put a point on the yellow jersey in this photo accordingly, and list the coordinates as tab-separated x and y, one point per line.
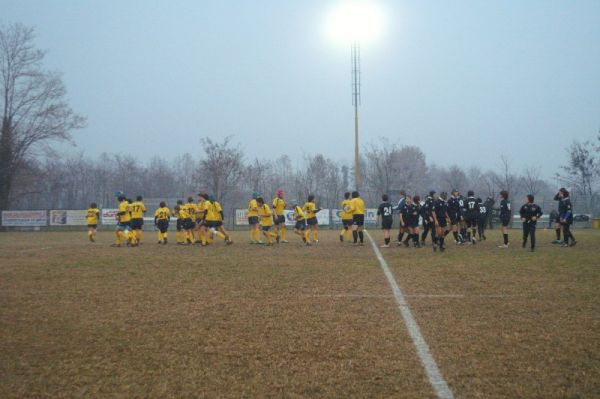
213	211
137	210
184	212
191	210
299	214
278	206
162	214
124	211
92	215
357	206
252	208
266	216
201	209
176	212
311	210
346	209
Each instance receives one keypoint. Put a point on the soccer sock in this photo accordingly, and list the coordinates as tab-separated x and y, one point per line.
220	235
387	240
139	235
446	233
305	235
423	235
160	236
400	236
355	235
415	238
557	234
343	232
441	241
455	234
178	236
118	239
505	239
316	235
283	233
361	236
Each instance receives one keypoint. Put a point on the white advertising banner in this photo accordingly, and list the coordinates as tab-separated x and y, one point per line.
109	216
24	218
68	218
241	217
370	216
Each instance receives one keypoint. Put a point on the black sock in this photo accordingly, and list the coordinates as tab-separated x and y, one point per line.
400	236
387	241
361	236
355	235
416	238
441	241
505	239
455	234
446	233
557	234
423	235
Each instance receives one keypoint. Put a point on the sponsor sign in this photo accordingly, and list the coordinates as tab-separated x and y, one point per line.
24	218
109	216
68	218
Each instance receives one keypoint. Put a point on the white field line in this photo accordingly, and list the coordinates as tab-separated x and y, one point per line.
410	296
432	370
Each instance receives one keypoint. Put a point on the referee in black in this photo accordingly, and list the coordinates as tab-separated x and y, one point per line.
530	213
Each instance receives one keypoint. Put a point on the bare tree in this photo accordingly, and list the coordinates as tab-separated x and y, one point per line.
531	180
34	110
583	168
506	180
221	169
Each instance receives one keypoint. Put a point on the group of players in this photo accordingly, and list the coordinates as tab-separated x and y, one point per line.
198	222
466	218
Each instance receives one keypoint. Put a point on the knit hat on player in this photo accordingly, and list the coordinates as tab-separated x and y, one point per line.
254	195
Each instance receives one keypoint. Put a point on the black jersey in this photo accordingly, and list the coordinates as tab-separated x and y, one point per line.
505	211
385	211
462	205
453	206
410	213
441	208
427	209
471	208
483	211
529	211
565	209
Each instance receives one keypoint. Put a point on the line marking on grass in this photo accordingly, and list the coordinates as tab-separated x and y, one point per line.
432	370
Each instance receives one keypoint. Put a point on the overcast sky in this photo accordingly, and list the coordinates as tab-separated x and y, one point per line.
466	81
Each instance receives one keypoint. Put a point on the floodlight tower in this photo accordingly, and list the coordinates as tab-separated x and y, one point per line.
355	58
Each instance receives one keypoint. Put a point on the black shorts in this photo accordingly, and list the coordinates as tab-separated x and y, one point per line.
266	228
505	222
412	222
386	223
312	221
188	224
163	225
442	222
300	225
454	218
137	223
358	220
252	220
179	225
347	223
213	224
471	221
279	219
92	226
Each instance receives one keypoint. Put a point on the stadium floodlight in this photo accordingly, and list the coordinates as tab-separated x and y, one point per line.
352	23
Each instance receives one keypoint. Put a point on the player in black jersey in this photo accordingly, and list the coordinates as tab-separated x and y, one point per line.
409	218
454	214
384	212
471	216
462	202
427	217
565	210
482	220
440	219
400	208
505	216
530	213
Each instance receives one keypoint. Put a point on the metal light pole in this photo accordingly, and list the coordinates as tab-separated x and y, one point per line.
355	56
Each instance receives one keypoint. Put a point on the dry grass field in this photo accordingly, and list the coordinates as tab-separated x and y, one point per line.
86	320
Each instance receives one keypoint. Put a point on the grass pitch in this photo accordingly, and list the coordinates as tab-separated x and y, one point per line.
86	320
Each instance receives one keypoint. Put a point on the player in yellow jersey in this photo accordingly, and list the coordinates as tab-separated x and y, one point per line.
213	219
124	224
311	210
179	226
357	207
279	216
92	216
346	217
266	220
300	226
138	209
188	213
253	220
162	216
201	230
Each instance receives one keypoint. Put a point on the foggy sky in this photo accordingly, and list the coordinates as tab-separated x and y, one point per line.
466	81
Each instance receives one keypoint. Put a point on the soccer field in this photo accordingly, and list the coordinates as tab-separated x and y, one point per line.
85	320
